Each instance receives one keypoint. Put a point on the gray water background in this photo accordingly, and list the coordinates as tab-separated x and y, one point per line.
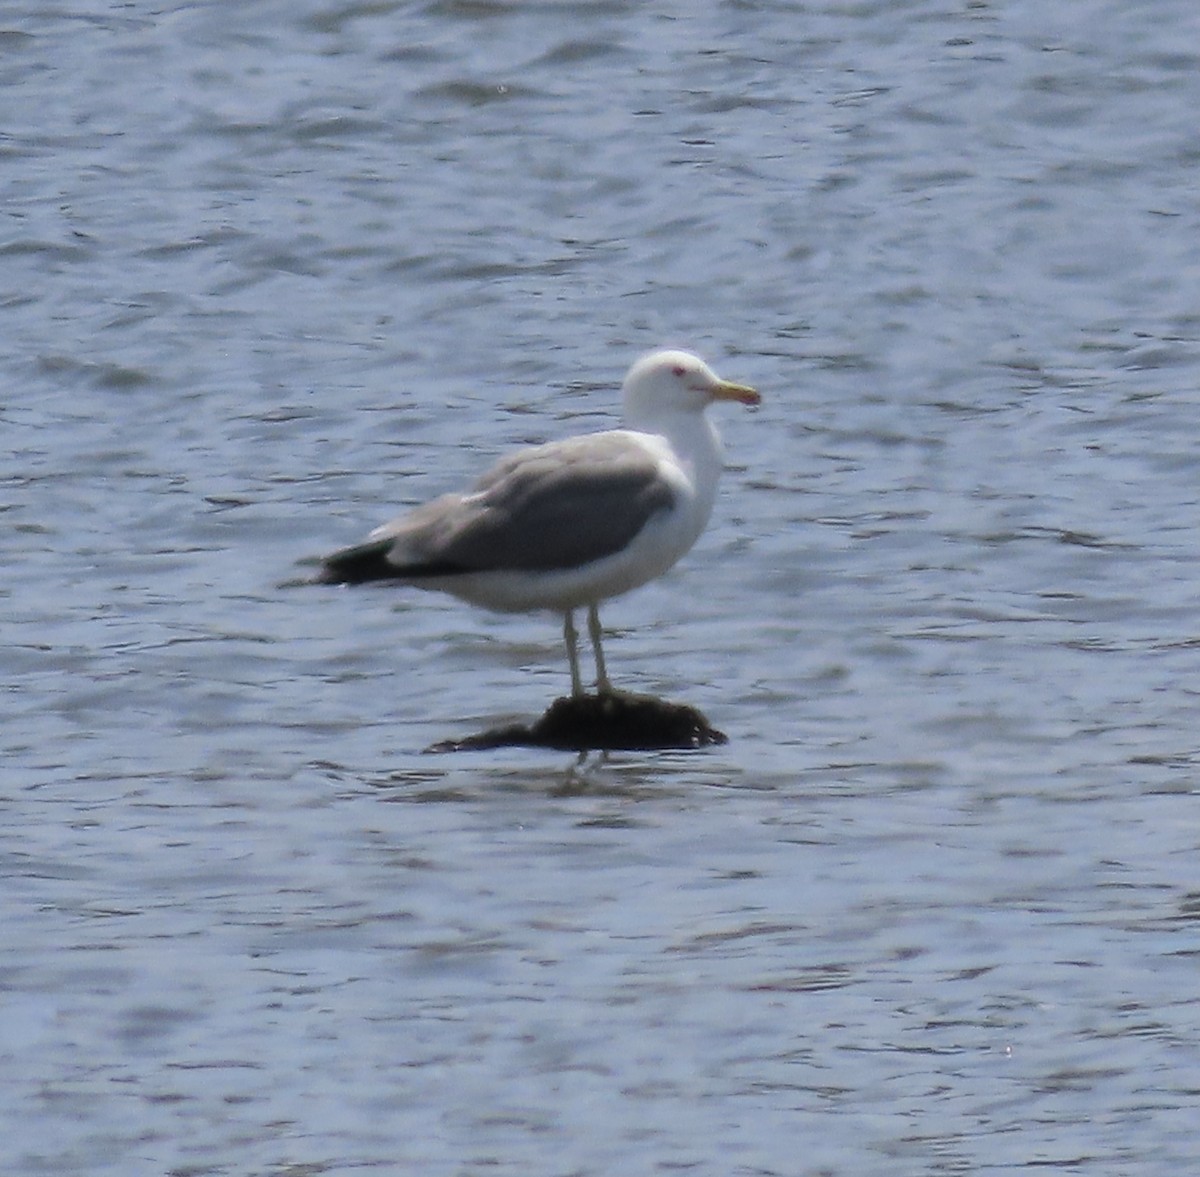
271	271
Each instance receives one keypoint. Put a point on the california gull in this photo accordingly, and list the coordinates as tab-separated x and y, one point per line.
570	523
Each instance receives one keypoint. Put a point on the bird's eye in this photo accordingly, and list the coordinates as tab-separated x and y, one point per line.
679	370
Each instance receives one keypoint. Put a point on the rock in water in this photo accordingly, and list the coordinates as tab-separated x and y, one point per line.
613	721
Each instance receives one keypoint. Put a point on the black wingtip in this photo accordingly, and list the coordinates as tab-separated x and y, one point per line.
356	566
369	562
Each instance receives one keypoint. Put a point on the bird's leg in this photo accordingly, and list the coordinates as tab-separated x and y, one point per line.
570	637
603	686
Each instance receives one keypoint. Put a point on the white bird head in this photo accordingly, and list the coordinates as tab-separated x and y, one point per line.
665	382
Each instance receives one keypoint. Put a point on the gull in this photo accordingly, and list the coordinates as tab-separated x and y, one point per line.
568	524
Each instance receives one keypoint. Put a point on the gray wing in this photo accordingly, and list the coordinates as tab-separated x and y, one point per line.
554	506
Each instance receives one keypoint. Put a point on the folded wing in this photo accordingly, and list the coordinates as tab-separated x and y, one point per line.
556	506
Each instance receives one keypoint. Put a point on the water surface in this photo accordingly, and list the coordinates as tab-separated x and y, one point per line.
271	272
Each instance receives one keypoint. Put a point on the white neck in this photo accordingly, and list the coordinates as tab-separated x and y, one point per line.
696	443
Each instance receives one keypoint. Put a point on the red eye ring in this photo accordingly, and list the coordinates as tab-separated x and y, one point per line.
679	370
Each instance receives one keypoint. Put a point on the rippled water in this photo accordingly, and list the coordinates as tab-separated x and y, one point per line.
271	271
